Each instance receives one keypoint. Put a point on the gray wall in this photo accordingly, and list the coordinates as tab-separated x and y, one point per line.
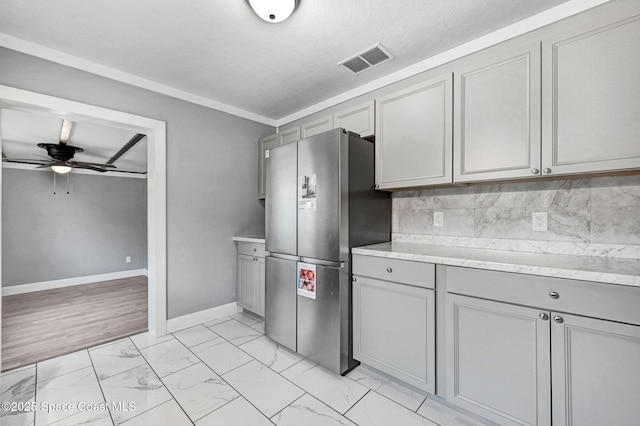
211	175
86	232
602	210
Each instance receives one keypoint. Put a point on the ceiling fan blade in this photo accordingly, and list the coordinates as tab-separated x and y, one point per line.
83	163
65	131
26	160
81	166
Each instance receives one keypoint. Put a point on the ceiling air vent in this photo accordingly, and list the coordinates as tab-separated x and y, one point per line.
366	59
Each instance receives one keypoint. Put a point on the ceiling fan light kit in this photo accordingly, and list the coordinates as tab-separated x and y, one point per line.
61	169
273	11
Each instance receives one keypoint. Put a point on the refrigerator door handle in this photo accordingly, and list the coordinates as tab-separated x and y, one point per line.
285	256
323	262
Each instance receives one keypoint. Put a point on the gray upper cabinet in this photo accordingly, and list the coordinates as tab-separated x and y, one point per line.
314	127
359	119
596	371
591	98
264	145
289	135
414	135
497	114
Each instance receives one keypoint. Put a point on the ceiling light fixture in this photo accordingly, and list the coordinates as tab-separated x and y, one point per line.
61	169
273	11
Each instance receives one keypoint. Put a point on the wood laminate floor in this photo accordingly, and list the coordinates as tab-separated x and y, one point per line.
45	324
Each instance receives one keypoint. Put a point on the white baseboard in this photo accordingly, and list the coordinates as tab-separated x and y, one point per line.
68	282
189	320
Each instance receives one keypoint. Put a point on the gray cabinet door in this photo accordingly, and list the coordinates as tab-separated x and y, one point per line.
498	360
264	146
596	372
359	119
260	285
314	127
591	98
246	282
497	114
394	330
414	135
288	136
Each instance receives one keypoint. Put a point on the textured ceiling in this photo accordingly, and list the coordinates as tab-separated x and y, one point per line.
220	50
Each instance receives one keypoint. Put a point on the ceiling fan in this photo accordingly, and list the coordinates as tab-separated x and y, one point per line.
61	155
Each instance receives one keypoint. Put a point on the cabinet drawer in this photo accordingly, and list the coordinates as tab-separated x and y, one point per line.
598	300
402	271
251	249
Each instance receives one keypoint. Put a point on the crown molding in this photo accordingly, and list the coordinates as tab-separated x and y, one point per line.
59	57
527	25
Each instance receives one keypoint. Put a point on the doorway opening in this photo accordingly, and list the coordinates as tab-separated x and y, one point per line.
21	100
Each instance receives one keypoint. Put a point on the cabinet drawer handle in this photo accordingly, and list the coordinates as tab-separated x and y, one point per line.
255	249
547	171
535	171
389	270
544	316
558	319
554	295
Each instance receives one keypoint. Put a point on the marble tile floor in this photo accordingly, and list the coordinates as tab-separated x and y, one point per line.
223	372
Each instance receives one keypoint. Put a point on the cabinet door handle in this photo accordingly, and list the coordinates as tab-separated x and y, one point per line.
535	171
354	279
389	270
544	316
255	249
558	319
547	171
554	295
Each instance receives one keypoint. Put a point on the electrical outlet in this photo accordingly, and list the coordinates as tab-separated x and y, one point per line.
539	222
127	259
438	219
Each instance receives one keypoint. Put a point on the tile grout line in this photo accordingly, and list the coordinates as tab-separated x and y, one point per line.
165	386
100	386
240	395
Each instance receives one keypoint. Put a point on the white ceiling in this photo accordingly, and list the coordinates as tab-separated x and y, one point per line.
219	50
22	131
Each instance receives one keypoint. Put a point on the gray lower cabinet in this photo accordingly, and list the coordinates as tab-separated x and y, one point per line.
393	322
250	277
542	364
591	97
596	371
498	363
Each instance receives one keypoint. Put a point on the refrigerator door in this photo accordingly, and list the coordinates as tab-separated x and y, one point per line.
281	203
280	301
319	196
323	322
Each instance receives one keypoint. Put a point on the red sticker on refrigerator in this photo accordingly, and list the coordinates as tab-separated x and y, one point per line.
307	280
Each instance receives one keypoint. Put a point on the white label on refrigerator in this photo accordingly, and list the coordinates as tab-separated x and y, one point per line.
307	280
307	192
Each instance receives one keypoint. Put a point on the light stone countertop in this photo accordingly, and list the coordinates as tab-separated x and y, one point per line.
259	239
587	268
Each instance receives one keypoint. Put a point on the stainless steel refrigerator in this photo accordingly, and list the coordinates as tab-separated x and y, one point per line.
320	202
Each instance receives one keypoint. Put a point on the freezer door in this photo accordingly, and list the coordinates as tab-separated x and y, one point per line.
324	332
319	196
280	301
280	211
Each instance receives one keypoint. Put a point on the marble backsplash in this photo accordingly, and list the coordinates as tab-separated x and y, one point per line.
598	216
